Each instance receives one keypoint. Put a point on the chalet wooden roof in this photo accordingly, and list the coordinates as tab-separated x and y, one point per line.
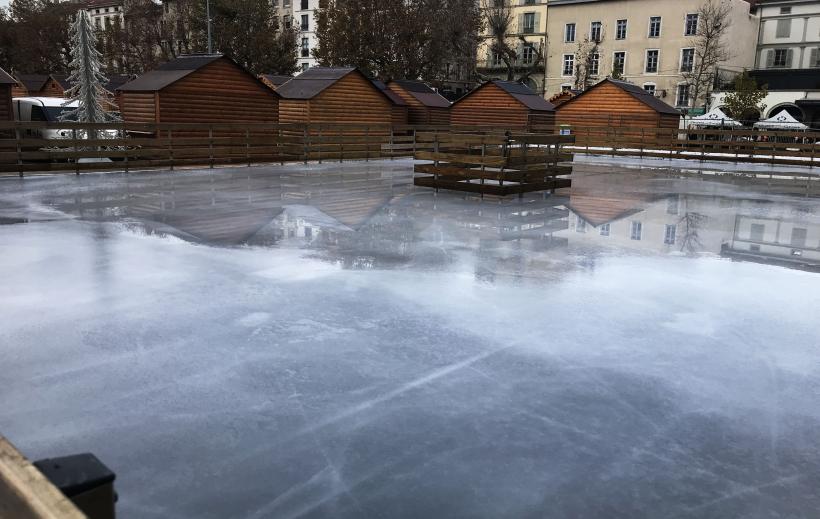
635	91
275	79
518	91
316	80
6	79
423	93
174	70
394	97
62	79
32	82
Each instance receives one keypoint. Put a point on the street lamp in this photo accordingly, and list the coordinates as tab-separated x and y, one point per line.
208	15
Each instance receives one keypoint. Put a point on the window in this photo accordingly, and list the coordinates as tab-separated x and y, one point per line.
595	31
569	33
304	5
305	66
649	87
529	23
756	232
594	61
669	235
528	55
687	60
655	27
285	3
580	224
604	230
652	61
304	24
691	28
286	21
814	58
496	58
672	205
305	50
779	58
798	237
619	63
785	10
683	96
37	113
637	229
566	87
784	28
620	30
569	64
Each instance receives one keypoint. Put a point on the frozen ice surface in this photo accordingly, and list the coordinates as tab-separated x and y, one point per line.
272	342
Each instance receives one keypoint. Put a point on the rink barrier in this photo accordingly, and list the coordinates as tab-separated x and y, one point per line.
135	146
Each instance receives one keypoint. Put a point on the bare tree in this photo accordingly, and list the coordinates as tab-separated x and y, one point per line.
586	54
521	58
711	48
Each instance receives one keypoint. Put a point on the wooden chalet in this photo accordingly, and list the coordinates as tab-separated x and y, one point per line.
7	83
339	96
425	106
38	85
612	103
503	105
274	81
198	88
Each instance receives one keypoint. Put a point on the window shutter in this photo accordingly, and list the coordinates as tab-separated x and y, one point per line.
521	23
537	23
784	28
814	60
770	58
789	54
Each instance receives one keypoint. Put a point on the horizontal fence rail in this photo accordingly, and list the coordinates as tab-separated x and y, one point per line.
26	148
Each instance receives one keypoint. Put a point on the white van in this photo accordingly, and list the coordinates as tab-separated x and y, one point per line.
42	109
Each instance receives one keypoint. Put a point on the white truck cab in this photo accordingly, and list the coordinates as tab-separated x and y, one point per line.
43	109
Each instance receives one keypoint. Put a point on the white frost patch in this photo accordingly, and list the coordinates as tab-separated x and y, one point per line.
254	319
299	269
692	322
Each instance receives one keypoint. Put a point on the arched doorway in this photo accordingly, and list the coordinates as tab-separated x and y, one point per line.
793	110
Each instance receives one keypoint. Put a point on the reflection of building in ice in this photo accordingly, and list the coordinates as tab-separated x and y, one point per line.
677	223
775	239
303	223
639	220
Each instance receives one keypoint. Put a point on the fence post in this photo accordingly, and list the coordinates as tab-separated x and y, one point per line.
125	147
321	143
76	160
211	145
19	148
306	143
171	147
248	146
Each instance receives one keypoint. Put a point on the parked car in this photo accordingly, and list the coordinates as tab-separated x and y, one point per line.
43	109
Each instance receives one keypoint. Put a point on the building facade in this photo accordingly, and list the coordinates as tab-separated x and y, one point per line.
787	59
646	42
526	34
302	15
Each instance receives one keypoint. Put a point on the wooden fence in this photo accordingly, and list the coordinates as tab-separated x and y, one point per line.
497	164
23	148
767	146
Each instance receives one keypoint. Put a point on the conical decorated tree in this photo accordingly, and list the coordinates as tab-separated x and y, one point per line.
86	78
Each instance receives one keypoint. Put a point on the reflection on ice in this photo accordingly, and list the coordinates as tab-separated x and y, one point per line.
269	342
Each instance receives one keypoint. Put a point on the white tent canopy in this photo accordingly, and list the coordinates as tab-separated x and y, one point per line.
715	117
783	120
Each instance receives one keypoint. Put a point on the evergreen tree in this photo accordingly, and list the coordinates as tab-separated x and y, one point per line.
86	78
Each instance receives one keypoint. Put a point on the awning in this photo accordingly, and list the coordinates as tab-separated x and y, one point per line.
715	117
783	120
